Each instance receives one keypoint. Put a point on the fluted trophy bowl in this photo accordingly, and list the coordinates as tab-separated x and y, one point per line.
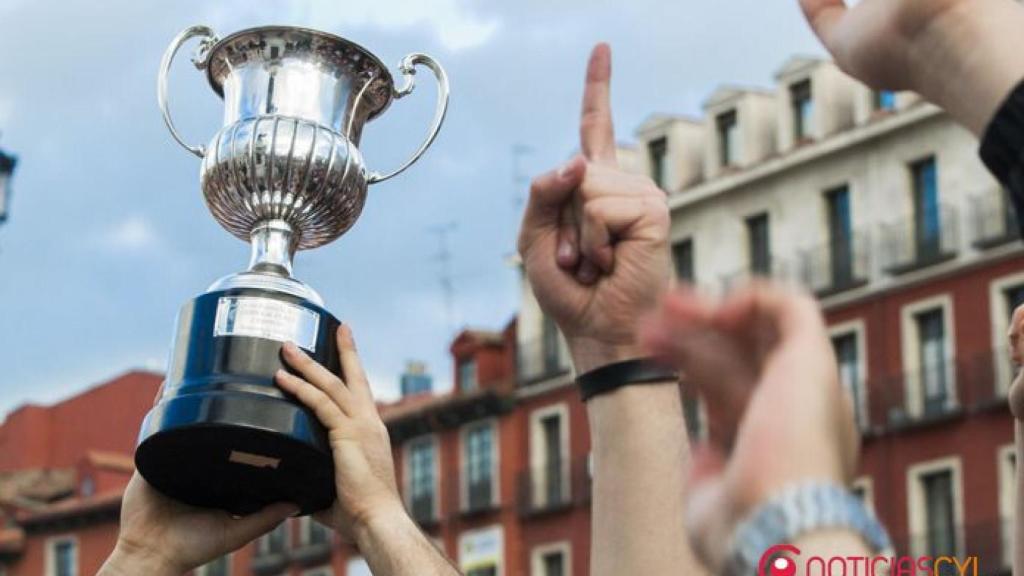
284	173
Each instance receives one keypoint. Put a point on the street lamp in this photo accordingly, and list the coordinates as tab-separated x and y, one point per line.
7	163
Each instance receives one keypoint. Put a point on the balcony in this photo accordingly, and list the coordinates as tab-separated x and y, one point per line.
837	266
907	247
423	510
993	220
968	384
541	359
990	542
777	269
553	488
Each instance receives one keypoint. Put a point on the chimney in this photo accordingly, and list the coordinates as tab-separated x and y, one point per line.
415	379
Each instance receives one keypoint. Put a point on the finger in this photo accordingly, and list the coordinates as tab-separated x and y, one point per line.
608	218
240	531
588	273
1014	334
595	236
326	410
568	239
548	194
823	15
317	375
351	367
597	136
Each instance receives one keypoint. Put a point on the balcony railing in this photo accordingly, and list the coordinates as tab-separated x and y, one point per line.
837	266
993	219
965	384
423	510
906	247
553	487
541	359
989	541
778	269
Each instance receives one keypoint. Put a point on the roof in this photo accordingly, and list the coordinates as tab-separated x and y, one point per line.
71	507
798	63
728	92
34	487
658	120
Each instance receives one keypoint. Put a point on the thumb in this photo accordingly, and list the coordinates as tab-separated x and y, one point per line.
240	531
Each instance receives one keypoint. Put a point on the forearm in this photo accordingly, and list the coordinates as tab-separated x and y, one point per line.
393	545
969	58
125	563
640	453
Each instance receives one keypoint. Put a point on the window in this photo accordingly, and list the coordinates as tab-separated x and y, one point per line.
883	100
840	232
549	444
940	534
848	357
682	257
422	484
657	150
803	110
275	541
554	564
551	345
728	139
936	508
479	468
551	560
219	567
758	244
312	533
467	374
552	432
931	338
62	558
927	212
357	567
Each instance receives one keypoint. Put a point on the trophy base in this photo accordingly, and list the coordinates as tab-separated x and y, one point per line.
222	434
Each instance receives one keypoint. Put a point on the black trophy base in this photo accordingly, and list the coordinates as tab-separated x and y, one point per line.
222	434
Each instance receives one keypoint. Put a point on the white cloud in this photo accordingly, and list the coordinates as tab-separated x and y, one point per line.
455	26
133	234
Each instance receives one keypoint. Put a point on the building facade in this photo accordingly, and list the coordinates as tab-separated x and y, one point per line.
873	201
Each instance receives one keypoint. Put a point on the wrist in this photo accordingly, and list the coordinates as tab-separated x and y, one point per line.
384	522
129	559
589	353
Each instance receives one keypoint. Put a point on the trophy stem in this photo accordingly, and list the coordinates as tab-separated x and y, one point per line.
273	246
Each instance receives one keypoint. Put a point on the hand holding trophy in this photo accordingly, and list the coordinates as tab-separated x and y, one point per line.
285	174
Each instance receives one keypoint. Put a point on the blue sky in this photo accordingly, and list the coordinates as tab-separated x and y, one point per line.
108	234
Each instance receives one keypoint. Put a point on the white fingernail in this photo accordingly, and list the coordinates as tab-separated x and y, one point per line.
564	250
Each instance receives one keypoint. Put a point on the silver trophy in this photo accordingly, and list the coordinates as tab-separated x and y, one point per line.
285	174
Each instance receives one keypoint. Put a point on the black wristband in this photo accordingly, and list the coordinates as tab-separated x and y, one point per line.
613	376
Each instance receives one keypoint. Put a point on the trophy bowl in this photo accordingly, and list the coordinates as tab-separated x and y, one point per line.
283	173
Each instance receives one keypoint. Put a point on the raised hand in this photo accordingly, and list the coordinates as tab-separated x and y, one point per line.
161	537
365	471
777	413
594	239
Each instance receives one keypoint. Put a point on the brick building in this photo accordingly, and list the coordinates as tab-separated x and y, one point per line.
875	202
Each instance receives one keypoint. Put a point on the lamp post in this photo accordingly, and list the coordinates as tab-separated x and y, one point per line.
7	163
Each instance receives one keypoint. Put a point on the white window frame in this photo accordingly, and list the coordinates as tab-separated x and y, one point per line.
858	328
538	449
1007	499
51	546
407	471
500	564
911	348
495	461
201	571
538	553
916	513
476	374
1000	326
867	485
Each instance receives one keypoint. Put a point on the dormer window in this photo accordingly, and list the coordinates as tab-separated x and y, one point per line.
728	138
803	109
657	150
467	374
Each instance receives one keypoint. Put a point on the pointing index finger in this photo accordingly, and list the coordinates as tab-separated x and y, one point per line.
597	135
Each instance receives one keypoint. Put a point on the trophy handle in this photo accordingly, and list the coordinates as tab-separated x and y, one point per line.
209	38
408	68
